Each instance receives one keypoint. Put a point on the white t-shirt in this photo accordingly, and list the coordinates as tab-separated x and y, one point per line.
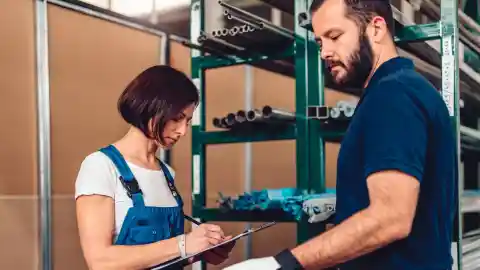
98	175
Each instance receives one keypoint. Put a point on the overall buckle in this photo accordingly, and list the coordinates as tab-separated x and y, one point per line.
132	186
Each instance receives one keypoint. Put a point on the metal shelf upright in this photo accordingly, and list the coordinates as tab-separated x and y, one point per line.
307	134
309	87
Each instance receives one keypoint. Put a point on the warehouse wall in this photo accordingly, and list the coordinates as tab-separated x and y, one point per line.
91	61
18	145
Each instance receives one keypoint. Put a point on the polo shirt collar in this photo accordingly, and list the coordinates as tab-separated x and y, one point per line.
390	66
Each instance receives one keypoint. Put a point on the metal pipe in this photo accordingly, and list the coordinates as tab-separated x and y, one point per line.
335	113
254	17
217	122
43	125
230	119
206	49
205	36
254	115
231	16
241	116
269	112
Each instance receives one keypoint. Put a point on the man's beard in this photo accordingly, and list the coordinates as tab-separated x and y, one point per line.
361	64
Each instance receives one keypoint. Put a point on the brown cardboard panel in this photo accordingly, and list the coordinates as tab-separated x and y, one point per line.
18	147
66	249
91	61
19	245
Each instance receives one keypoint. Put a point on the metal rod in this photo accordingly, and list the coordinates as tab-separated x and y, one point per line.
231	16
269	112
254	17
44	144
206	36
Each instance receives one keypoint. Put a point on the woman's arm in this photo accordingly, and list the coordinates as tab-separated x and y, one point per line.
95	217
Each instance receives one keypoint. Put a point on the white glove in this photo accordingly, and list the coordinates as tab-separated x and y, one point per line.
320	209
267	263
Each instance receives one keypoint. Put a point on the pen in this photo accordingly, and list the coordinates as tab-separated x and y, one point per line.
191	219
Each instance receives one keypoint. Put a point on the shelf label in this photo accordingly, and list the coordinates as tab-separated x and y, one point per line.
447	46
448	82
196	174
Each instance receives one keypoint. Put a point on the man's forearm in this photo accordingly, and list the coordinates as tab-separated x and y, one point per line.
358	235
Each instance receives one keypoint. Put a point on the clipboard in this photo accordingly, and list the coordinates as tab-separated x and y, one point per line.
243	234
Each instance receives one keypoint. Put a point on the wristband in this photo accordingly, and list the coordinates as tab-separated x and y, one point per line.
182	246
287	261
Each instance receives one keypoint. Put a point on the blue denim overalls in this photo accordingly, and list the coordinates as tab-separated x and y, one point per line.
146	224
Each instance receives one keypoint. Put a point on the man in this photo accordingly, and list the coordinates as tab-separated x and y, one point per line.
397	169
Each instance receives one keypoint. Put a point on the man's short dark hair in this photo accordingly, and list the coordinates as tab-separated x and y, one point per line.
362	11
160	94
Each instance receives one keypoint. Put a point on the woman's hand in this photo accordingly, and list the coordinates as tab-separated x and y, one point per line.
220	254
202	237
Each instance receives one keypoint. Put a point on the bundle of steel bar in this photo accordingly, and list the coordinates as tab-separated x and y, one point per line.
267	116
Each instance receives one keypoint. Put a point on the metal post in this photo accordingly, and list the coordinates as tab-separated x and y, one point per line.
248	152
197	26
450	93
43	125
165	155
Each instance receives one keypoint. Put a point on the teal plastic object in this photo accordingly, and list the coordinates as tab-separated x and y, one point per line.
290	200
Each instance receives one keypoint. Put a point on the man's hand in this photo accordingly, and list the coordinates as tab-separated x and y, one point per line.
267	263
220	254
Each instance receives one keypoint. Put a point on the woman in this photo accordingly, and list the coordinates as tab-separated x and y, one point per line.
128	210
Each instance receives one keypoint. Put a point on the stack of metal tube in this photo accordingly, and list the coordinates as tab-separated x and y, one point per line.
265	116
250	34
343	111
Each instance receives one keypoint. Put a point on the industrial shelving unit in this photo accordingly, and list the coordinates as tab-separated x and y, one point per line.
309	92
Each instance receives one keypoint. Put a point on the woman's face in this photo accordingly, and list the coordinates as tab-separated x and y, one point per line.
177	127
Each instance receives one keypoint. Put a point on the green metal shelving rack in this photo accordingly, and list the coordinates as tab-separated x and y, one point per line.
309	137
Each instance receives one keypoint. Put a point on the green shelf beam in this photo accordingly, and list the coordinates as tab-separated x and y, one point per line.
259	135
242	136
418	33
214	214
211	62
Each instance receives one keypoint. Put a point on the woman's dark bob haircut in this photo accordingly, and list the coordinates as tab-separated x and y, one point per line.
160	94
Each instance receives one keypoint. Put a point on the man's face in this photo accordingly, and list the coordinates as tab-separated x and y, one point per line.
346	51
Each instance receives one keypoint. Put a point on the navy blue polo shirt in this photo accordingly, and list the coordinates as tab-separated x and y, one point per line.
402	123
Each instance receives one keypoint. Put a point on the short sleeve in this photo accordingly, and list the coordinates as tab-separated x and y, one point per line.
95	177
395	133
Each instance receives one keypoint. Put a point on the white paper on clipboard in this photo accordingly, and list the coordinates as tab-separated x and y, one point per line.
243	234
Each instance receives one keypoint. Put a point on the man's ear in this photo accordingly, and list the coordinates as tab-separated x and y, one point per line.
379	29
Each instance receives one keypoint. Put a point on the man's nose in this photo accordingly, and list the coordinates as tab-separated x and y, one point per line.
326	53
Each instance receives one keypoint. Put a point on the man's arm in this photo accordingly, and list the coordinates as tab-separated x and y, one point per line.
394	139
393	199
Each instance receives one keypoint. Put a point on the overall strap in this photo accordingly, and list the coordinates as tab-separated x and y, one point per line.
171	183
126	176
